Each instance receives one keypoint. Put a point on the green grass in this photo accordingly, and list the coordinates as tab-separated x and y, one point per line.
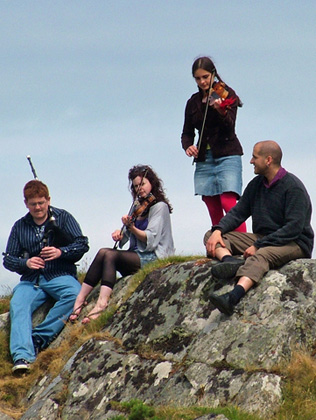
137	410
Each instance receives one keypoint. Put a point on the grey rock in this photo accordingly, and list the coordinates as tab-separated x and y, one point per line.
170	346
4	416
4	320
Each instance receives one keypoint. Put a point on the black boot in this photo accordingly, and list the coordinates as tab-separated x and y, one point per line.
222	303
226	302
227	269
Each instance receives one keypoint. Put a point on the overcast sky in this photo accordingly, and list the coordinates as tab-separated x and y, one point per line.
91	88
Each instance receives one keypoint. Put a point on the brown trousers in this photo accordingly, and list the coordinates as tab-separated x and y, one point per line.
265	258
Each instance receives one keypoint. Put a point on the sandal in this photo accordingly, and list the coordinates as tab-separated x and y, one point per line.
91	317
75	314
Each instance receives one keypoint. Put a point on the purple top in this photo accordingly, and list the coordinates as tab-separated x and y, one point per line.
280	174
142	225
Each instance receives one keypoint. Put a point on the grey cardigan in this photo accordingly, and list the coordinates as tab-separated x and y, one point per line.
158	232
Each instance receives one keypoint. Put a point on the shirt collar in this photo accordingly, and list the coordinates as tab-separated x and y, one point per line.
279	175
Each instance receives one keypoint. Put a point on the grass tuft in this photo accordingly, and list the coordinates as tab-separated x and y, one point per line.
300	389
4	304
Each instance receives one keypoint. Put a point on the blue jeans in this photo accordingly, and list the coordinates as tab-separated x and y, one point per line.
26	299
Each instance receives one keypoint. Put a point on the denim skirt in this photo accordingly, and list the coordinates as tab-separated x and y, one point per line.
216	176
146	257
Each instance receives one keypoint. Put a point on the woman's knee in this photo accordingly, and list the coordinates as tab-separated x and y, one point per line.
102	252
105	253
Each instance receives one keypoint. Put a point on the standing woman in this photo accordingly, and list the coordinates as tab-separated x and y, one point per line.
149	235
218	173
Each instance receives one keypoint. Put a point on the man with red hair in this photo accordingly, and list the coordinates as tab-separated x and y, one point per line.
43	248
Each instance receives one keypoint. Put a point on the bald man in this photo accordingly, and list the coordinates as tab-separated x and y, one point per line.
280	208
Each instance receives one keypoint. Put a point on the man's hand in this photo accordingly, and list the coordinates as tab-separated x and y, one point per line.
213	240
35	263
250	251
49	253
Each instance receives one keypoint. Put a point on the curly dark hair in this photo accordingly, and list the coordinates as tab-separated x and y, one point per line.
156	183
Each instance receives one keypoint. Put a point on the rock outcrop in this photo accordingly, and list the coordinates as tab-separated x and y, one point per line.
168	345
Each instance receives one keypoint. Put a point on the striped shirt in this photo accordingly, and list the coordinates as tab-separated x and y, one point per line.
26	241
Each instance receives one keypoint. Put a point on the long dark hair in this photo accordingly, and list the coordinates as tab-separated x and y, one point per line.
156	183
207	64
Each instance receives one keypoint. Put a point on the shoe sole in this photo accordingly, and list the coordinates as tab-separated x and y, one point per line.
226	270
21	369
220	306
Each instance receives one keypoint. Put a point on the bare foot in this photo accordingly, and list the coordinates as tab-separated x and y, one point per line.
94	314
76	312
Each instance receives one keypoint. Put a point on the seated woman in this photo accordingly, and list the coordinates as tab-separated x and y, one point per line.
150	238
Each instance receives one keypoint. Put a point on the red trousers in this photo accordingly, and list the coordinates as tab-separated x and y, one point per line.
218	204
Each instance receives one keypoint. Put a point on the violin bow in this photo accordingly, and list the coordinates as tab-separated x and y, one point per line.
210	91
132	206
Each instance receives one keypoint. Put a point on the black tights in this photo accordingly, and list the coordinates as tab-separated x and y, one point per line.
107	262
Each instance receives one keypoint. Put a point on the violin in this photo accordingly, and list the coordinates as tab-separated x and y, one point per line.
219	88
222	93
138	209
